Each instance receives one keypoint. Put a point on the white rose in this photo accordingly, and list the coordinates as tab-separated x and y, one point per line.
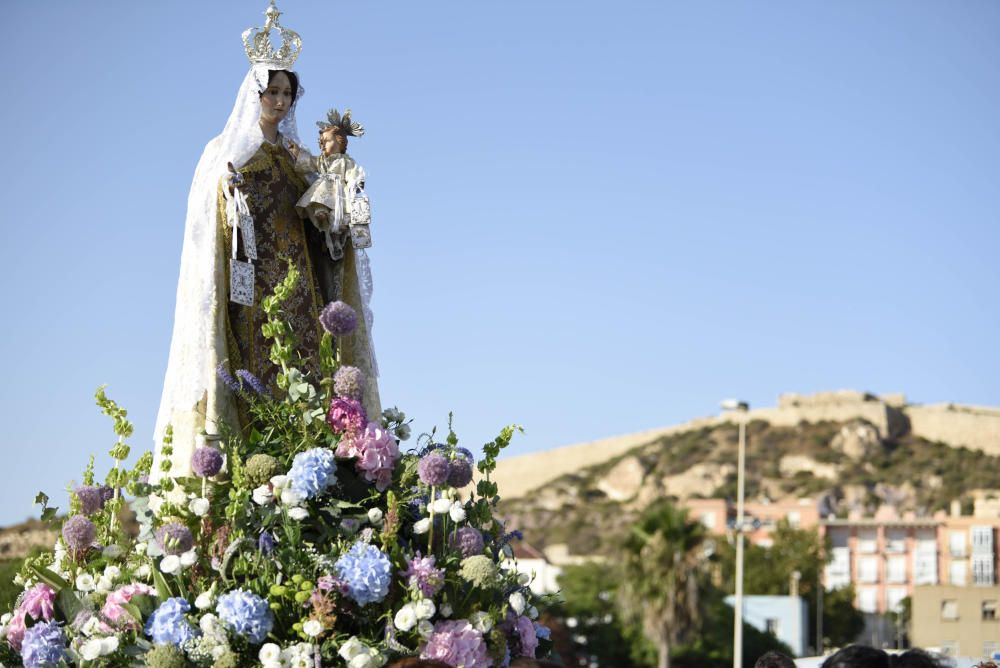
91	626
375	516
279	482
205	601
104	584
112	572
199	507
312	628
262	495
109	645
91	649
272	664
269	652
481	621
189	558
405	619
300	661
441	506
171	564
298	513
393	415
351	648
422	526
517	602
208	623
445	610
144	572
290	497
457	512
140	548
424	608
110	552
85	582
425	629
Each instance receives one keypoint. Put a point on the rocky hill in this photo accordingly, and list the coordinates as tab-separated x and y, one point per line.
18	540
854	464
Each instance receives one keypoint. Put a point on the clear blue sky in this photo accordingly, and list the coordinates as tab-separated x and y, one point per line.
589	218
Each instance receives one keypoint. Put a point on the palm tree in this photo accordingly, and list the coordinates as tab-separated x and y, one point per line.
663	561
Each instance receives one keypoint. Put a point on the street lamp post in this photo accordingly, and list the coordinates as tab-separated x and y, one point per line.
741	407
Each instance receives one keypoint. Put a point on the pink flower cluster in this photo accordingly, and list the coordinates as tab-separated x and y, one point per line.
457	643
376	451
346	416
113	609
40	603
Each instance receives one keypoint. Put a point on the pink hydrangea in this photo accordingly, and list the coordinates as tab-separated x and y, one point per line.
346	416
15	630
39	602
526	632
113	609
377	454
457	643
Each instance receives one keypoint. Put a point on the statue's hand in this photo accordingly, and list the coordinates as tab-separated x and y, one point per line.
294	149
233	179
322	215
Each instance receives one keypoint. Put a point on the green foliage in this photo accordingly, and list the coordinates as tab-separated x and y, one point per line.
8	590
589	594
842	622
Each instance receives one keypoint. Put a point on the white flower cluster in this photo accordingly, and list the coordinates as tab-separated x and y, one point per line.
173	564
418	614
86	583
443	506
280	489
299	655
359	655
93	649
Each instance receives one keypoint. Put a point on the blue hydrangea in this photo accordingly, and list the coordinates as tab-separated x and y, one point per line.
43	645
168	625
247	614
366	571
313	472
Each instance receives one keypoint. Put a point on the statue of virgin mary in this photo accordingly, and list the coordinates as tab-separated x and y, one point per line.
212	332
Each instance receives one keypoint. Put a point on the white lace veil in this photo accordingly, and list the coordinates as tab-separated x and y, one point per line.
190	371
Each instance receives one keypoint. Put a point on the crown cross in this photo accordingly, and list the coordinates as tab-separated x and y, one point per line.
257	42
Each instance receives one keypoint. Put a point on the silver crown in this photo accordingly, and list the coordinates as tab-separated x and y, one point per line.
257	42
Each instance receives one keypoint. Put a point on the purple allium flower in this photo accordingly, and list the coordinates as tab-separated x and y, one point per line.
79	533
223	373
253	382
44	645
433	469
206	461
92	499
346	415
168	625
467	541
174	538
421	573
338	318
366	571
247	614
377	453
349	382
457	643
265	542
313	472
459	472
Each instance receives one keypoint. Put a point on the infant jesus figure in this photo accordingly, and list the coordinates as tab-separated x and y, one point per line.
336	202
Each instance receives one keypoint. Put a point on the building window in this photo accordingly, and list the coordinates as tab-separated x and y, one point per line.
925	568
990	649
893	597
896	569
957	573
895	540
868	570
989	611
771	626
867	541
982	539
982	569
868	599
949	609
956	543
794	519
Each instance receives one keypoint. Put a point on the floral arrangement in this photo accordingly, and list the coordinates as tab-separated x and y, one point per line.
308	538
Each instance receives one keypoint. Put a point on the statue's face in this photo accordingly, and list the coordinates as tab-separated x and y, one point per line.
332	142
276	99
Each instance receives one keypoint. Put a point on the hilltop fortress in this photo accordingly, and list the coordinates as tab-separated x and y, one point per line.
974	427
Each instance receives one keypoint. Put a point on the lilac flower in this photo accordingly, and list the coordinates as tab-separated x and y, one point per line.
346	415
223	373
433	469
421	573
206	461
168	625
467	541
338	318
366	571
524	636
459	473
79	533
349	382
313	472
44	645
247	614
457	643
253	382
92	499
174	538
